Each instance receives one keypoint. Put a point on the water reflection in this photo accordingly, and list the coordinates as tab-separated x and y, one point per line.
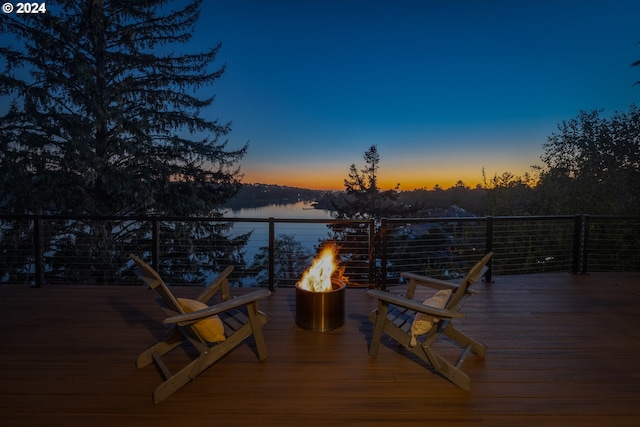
301	210
309	235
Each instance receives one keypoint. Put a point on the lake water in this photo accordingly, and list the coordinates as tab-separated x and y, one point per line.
308	235
301	210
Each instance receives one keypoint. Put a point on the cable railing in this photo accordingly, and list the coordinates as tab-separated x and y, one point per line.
272	252
600	254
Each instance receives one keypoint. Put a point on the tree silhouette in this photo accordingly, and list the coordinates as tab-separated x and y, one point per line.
291	259
364	199
593	165
106	119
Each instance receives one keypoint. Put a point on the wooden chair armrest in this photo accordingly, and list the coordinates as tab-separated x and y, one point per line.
188	318
430	281
414	305
219	283
418	279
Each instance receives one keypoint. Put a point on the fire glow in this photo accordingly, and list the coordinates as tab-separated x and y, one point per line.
318	277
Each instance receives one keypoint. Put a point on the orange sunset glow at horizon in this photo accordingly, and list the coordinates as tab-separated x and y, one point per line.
317	166
335	182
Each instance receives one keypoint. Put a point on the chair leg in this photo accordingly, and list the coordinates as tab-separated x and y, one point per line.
208	357
192	370
464	340
378	329
443	367
256	329
175	382
173	339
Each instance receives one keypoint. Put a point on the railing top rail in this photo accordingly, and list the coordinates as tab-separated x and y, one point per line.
176	218
533	217
481	218
303	220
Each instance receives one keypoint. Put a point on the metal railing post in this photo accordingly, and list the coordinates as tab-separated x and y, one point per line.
38	244
579	263
272	253
585	244
488	248
372	252
575	258
383	254
155	243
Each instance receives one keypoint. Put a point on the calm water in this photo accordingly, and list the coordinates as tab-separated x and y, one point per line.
308	235
301	210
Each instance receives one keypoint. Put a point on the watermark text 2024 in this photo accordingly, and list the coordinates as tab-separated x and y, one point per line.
24	8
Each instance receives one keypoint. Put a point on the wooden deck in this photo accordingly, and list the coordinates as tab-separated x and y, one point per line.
563	350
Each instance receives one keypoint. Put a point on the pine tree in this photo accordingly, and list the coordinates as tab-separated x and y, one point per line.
106	116
364	199
106	119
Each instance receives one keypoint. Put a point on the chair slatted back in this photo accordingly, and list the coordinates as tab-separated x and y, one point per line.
476	272
151	277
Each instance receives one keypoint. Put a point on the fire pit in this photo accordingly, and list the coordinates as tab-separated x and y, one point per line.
320	311
320	296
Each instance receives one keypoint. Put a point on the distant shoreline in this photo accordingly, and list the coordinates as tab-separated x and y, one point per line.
261	195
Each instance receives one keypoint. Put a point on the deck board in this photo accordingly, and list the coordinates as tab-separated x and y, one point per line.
562	350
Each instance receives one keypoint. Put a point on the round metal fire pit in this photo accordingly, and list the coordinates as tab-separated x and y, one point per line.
320	311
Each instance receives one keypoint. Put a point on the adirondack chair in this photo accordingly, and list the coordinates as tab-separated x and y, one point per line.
416	325
213	330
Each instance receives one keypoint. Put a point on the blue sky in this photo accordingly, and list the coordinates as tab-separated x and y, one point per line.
443	88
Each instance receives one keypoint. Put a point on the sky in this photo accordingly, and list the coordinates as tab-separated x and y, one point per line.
443	88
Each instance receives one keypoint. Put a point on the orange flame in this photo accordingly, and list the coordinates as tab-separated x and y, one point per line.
318	277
